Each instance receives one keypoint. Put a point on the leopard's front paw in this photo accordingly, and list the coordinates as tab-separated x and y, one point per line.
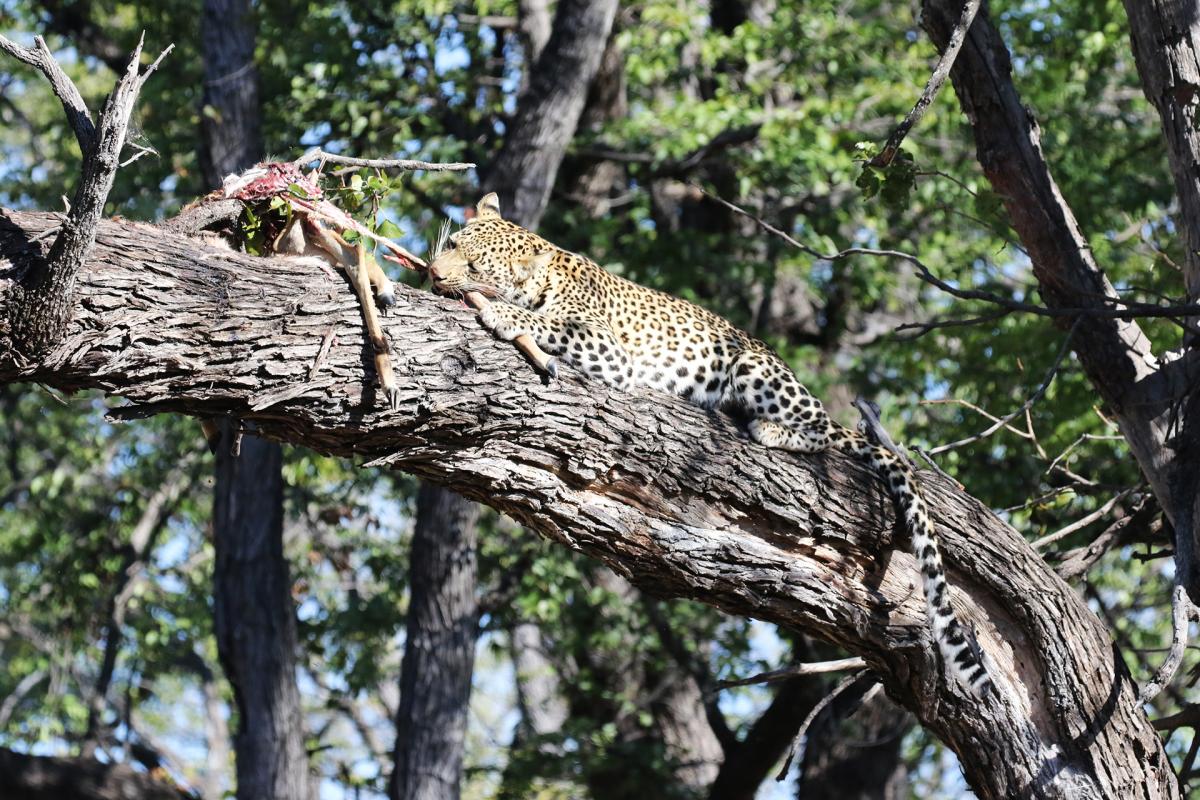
500	320
489	318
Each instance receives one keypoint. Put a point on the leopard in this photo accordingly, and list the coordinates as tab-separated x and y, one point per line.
628	335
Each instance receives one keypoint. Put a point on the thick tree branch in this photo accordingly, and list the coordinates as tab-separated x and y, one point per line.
40	58
672	497
549	109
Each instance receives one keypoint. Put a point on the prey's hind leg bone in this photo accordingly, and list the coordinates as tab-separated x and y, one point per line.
379	343
364	273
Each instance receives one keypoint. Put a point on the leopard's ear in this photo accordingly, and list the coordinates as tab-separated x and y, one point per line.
529	266
488	206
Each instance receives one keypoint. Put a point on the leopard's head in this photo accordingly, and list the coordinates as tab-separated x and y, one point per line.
490	255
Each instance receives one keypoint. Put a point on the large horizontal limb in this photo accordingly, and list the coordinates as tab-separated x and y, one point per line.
674	498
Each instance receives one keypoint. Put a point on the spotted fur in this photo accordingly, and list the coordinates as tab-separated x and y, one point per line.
626	334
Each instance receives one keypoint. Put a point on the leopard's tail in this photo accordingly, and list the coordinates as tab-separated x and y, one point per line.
957	647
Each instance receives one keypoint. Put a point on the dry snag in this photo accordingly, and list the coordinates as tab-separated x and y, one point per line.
41	305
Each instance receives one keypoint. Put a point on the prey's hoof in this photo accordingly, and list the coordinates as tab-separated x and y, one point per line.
392	394
386	298
552	368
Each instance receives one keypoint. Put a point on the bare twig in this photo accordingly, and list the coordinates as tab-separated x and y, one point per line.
795	670
967	404
1033	398
854	686
40	58
1115	308
1082	522
919	329
322	352
1182	612
19	693
932	87
1141	523
1087	437
317	154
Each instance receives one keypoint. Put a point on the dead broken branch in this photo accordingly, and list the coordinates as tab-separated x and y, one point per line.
41	305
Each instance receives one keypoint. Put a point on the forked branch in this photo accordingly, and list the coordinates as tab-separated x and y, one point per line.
40	306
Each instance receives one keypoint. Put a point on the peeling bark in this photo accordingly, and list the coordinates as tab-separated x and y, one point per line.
674	498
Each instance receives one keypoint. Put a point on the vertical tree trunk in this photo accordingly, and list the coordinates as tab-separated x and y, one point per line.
548	110
435	679
230	120
1166	46
858	758
255	627
444	538
254	617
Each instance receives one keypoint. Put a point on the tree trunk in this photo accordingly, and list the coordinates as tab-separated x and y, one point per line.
673	498
435	679
230	117
1143	392
1166	46
427	745
858	758
256	627
548	110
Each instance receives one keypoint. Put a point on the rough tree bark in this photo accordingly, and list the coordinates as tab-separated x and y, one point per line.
428	752
1166	46
254	614
41	302
673	498
255	627
439	653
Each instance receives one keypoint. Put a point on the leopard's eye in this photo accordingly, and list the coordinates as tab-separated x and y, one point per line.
471	267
